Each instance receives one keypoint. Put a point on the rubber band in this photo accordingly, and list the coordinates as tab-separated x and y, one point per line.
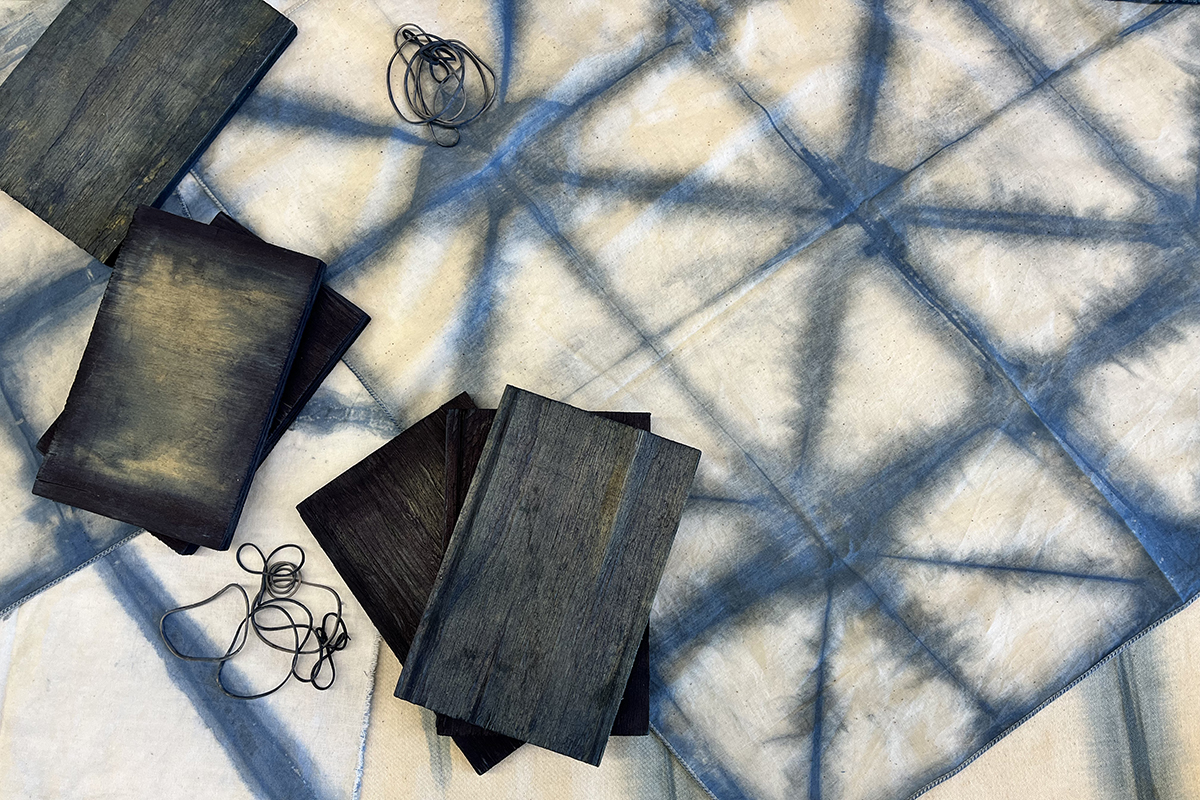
436	73
279	580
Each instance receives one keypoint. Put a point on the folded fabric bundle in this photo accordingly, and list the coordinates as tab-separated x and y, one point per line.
555	524
172	406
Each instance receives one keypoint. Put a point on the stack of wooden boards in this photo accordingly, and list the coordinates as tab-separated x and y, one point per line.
207	344
509	559
204	332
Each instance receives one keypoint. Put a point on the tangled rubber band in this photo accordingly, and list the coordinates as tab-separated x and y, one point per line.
435	83
279	580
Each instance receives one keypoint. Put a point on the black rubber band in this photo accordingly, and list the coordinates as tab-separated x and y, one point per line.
435	83
279	580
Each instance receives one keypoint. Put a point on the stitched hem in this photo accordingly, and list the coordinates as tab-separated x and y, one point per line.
378	400
1111	655
211	196
9	608
183	204
291	10
686	767
366	722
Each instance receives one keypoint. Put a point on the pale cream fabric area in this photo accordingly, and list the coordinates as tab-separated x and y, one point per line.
92	705
1131	729
405	758
1078	747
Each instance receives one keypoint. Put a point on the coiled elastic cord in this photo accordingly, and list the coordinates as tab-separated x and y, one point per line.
279	580
435	82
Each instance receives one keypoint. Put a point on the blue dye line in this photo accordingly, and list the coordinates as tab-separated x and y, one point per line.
1060	226
875	55
73	551
249	732
1024	54
506	10
289	111
21	314
977	565
473	177
1135	732
814	770
1148	20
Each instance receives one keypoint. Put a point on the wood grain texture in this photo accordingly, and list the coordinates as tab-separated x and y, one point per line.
543	595
380	522
466	433
633	716
333	325
112	104
169	412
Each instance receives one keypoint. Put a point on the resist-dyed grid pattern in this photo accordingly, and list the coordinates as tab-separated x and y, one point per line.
1128	730
917	277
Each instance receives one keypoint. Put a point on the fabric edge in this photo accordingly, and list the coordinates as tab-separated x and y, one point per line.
1116	651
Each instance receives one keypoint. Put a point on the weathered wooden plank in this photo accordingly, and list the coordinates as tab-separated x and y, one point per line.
633	715
118	97
542	596
170	409
380	522
466	432
333	325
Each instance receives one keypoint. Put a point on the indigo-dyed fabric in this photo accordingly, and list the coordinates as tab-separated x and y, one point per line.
91	702
405	759
95	706
1126	731
919	278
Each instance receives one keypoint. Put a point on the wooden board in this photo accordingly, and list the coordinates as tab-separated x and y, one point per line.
542	597
633	715
170	409
333	325
117	98
380	522
466	432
